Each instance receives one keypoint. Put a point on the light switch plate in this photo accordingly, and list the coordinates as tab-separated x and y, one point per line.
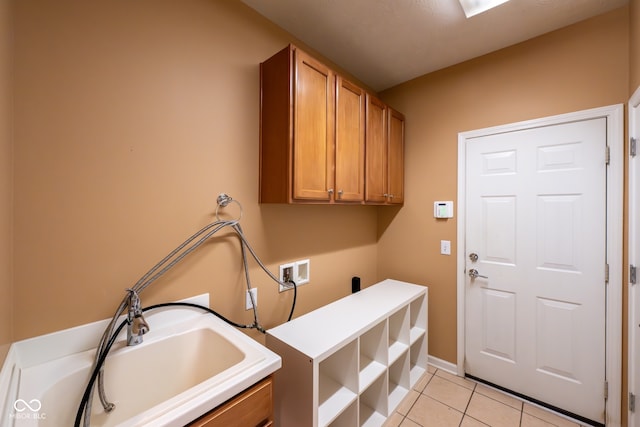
445	247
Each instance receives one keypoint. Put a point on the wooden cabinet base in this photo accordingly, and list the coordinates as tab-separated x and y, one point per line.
253	407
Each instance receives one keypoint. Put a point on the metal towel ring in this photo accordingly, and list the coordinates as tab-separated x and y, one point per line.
223	201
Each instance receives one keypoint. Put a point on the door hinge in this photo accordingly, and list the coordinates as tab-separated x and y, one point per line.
633	147
606	390
632	402
606	273
608	155
633	277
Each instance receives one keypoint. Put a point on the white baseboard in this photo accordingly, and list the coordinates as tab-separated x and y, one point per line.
452	368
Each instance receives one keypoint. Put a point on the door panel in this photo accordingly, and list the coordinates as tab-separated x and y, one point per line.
376	152
395	173
498	324
313	148
536	217
350	133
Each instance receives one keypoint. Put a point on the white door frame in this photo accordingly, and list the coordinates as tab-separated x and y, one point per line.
615	195
634	253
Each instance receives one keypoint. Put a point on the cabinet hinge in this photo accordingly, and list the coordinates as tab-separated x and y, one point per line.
632	402
633	276
608	155
606	390
633	147
606	274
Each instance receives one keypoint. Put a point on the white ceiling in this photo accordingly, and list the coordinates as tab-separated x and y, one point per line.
387	42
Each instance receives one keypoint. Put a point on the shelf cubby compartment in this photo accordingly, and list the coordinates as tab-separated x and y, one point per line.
417	318
348	417
398	381
373	404
417	359
398	334
349	363
373	354
337	383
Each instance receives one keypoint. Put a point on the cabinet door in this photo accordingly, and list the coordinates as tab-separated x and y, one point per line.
251	408
376	151
350	132
395	158
313	129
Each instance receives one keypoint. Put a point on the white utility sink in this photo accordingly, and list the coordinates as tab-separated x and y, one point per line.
189	362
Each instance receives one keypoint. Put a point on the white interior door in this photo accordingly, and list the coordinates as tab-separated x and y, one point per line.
536	219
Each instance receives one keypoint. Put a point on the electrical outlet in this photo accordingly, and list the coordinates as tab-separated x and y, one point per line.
445	247
248	304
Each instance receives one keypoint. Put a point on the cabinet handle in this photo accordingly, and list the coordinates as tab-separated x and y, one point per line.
340	192
385	195
391	196
330	191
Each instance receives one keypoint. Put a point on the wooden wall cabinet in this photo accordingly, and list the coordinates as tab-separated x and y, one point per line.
251	408
395	157
350	363
376	158
384	153
312	133
349	141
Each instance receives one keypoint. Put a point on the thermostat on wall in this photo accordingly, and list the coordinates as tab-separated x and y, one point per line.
443	209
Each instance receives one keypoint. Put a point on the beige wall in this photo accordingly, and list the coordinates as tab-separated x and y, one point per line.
579	67
130	119
6	199
634	45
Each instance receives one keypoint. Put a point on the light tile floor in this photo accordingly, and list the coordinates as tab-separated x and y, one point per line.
441	399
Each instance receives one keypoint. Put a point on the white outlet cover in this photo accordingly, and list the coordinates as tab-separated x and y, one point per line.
248	305
445	247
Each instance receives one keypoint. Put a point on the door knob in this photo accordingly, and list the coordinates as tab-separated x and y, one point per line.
473	257
473	273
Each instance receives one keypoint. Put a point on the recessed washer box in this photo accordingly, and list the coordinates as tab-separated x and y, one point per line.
301	271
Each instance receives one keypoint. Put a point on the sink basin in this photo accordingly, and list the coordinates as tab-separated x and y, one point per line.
180	371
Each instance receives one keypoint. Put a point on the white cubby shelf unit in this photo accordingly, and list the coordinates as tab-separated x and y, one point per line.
351	362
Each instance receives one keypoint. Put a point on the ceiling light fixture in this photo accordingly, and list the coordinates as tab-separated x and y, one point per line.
474	7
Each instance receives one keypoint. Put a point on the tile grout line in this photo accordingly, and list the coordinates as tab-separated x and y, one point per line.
404	417
474	391
466	408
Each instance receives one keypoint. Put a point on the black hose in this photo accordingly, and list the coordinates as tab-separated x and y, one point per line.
103	356
202	307
295	294
94	374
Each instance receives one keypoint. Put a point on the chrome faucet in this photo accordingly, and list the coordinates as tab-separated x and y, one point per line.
136	325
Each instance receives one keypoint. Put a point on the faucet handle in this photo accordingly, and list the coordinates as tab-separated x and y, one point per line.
134	300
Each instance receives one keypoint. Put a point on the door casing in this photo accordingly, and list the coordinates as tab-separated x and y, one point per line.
615	189
634	259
